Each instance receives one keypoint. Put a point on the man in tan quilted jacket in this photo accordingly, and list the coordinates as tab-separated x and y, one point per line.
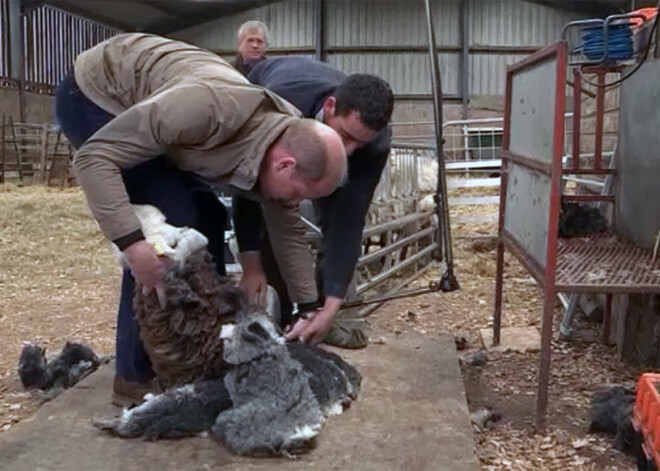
162	122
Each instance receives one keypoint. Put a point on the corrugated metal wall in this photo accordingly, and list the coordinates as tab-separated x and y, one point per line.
507	24
389	23
291	24
358	33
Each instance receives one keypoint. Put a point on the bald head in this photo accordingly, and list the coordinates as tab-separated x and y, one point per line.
307	161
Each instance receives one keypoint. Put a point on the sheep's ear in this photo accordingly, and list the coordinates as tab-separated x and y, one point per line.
257	329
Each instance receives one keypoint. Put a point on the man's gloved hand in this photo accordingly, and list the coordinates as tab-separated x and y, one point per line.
148	268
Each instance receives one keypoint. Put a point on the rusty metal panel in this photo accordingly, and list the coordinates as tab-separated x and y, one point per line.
528	210
291	24
407	73
533	111
390	23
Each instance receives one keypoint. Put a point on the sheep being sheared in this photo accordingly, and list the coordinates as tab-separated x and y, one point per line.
272	401
73	363
183	337
256	393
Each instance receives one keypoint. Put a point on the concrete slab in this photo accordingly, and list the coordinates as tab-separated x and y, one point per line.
412	415
516	339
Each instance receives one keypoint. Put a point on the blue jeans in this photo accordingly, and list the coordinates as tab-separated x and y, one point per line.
183	200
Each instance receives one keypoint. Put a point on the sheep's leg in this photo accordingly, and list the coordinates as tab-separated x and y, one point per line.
179	412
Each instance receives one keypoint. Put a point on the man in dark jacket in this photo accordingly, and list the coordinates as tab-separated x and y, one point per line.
359	108
252	45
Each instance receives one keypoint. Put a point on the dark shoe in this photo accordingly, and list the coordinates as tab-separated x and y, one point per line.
345	336
131	393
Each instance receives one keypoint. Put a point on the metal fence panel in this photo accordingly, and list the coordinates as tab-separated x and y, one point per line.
52	39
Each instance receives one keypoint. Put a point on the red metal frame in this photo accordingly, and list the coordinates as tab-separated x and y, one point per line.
528	162
588	198
572	266
545	275
600	115
577	115
590	171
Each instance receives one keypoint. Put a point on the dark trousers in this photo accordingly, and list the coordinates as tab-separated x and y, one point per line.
252	235
183	200
275	279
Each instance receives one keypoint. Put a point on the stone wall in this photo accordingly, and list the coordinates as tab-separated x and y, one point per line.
39	108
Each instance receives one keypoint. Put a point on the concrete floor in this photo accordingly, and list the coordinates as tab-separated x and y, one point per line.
412	415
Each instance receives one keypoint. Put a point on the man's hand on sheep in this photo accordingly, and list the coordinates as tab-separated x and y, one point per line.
253	282
147	267
312	328
149	259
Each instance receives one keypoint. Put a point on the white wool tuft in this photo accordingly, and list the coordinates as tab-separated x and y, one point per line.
149	397
335	409
227	331
126	414
305	432
187	389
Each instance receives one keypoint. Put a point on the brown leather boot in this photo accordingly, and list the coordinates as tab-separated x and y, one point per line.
131	393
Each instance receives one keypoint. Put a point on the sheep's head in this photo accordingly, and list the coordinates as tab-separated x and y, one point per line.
252	337
74	353
32	366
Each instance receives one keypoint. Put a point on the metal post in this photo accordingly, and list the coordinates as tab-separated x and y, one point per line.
464	86
3	145
499	280
600	114
448	282
17	58
577	112
550	292
544	369
319	22
607	319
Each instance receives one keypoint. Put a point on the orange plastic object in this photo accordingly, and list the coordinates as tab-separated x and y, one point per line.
648	13
646	414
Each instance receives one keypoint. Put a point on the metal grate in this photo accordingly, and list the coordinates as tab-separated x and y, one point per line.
605	265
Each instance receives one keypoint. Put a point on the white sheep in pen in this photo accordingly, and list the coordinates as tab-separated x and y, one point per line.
392	199
227	366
